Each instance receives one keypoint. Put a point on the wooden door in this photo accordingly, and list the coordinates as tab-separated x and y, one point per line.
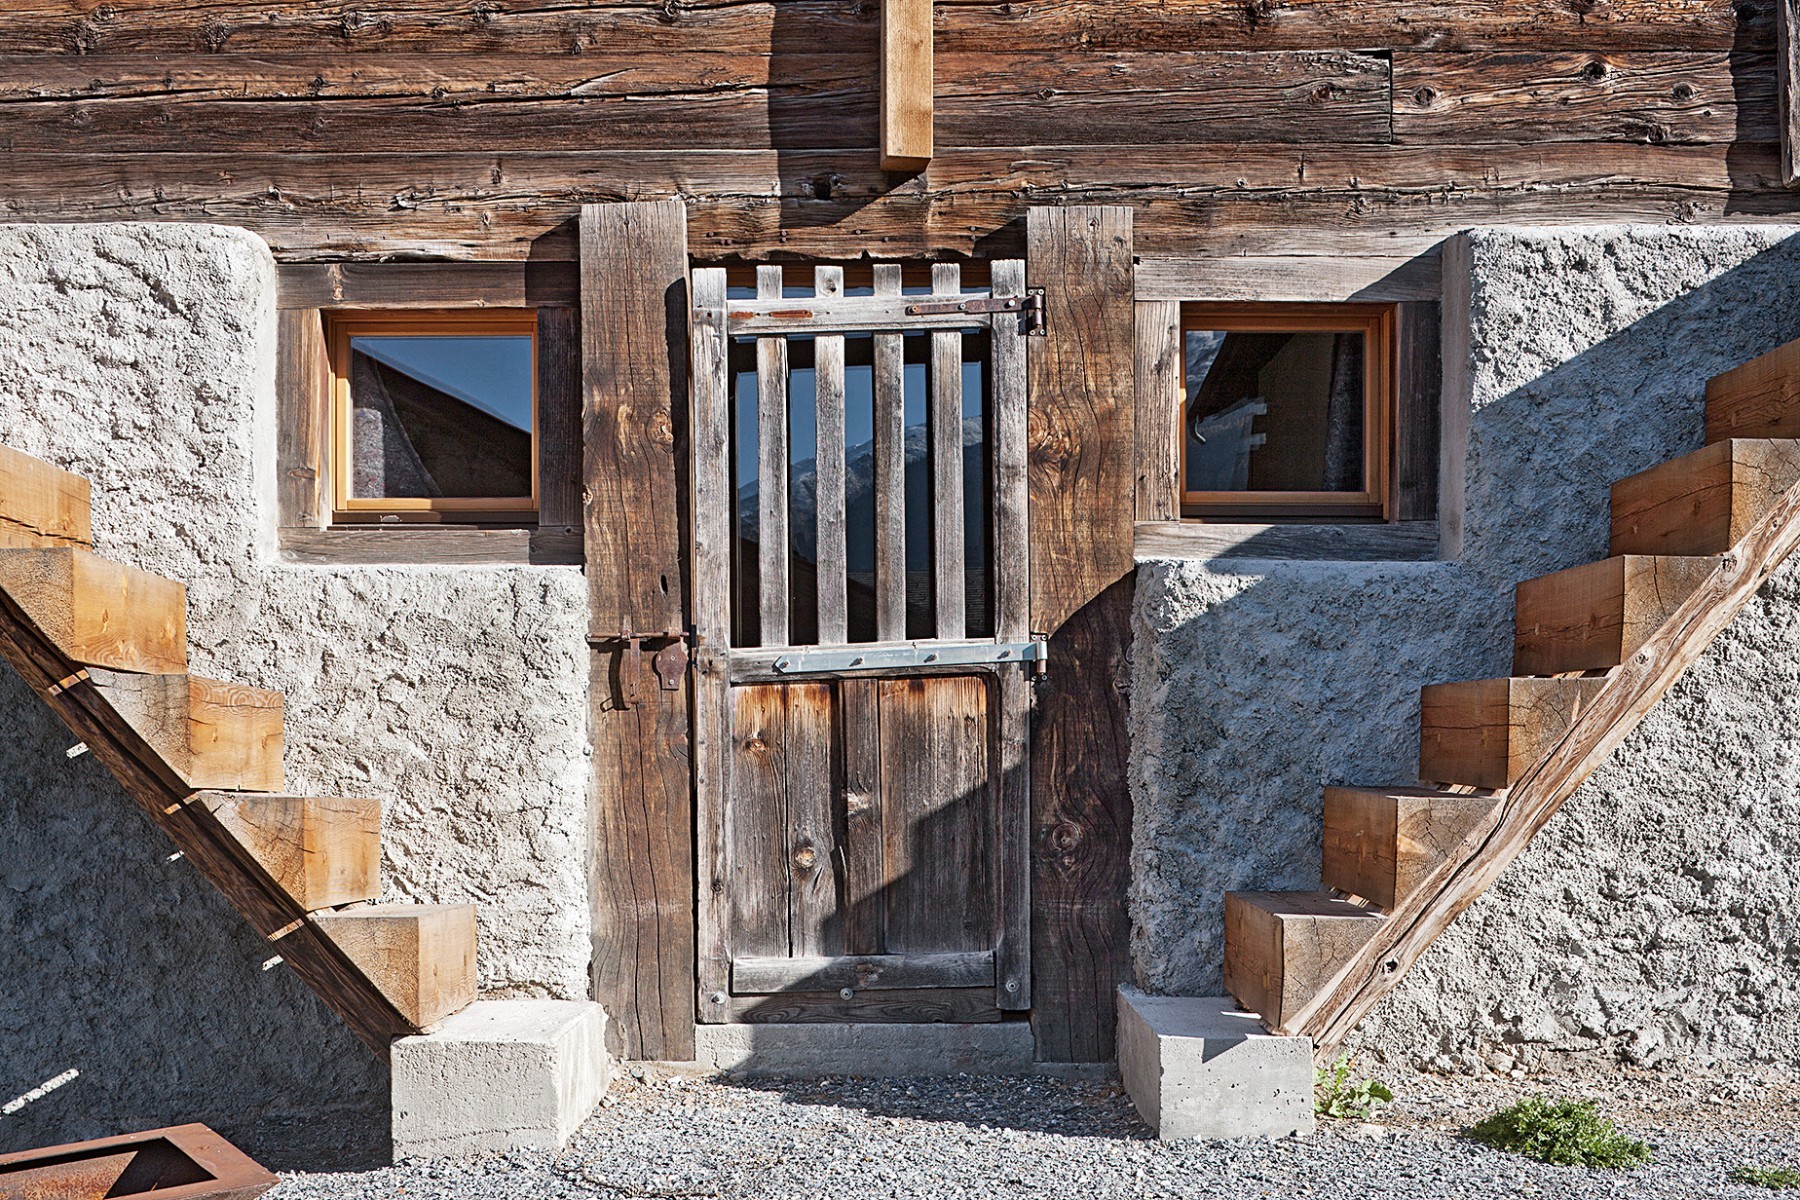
863	660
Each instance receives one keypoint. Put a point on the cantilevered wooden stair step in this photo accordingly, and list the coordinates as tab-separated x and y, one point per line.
213	735
1704	502
41	506
1487	732
100	613
1759	399
1281	947
1381	842
324	851
1596	616
420	956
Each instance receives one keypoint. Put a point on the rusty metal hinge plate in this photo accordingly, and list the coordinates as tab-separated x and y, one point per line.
1030	306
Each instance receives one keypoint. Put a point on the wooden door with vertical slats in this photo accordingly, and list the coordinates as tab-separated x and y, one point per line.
862	652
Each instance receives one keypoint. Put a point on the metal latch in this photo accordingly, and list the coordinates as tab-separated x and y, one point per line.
1030	306
669	664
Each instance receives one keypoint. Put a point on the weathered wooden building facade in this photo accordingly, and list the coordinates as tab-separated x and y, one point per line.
1162	280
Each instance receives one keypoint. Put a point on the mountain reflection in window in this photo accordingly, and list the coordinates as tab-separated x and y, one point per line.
1274	411
441	417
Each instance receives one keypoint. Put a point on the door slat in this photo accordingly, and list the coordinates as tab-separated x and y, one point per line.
828	498
861	973
947	464
1011	553
890	470
772	470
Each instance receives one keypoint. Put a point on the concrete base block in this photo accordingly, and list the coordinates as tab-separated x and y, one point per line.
499	1075
1199	1068
809	1051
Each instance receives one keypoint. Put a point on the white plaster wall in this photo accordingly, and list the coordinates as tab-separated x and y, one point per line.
1651	921
142	356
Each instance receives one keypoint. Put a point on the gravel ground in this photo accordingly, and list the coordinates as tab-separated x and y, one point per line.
669	1135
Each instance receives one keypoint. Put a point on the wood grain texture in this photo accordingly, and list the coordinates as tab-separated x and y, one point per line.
814	875
1605	721
830	542
421	956
948	526
1655	97
1157	421
559	412
1599	614
1787	79
1487	733
1010	394
890	470
905	1006
873	972
1759	399
1704	502
908	84
1280	947
1403	541
302	392
551	27
634	324
1082	399
98	612
1380	842
1368	278
235	736
433	545
39	498
772	535
1418	401
203	842
865	850
324	851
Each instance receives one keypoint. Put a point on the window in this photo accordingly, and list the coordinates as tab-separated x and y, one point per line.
434	415
1286	410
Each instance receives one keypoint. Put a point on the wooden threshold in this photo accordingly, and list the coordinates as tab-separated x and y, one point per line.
868	972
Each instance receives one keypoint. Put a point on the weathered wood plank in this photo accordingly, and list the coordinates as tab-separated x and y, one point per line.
44	501
1659	97
98	612
551	27
949	584
435	545
1313	278
1281	947
870	972
559	414
814	877
1418	388
1012	840
1380	842
1157	421
1405	541
830	545
1787	80
1495	842
1487	733
634	318
890	471
323	850
541	285
421	956
907	84
1598	614
865	854
1757	399
1008	390
1704	502
756	821
938	807
772	471
302	381
907	1006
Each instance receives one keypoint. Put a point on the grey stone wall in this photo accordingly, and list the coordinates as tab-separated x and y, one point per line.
143	357
1653	921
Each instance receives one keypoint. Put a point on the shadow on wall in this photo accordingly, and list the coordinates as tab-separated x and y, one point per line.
1257	683
93	910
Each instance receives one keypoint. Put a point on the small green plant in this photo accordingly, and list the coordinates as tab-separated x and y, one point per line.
1568	1133
1778	1179
1335	1096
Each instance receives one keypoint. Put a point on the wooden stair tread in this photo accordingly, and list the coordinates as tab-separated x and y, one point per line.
1380	843
100	613
1282	947
42	505
420	956
1704	502
1485	733
324	851
211	734
1599	614
1757	399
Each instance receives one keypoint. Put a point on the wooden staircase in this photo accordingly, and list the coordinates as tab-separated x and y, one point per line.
105	645
1594	648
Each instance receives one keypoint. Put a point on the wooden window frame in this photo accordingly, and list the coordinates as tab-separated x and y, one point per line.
344	324
1379	325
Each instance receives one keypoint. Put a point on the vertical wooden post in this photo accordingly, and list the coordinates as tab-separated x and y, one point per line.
634	314
1083	500
906	85
1787	70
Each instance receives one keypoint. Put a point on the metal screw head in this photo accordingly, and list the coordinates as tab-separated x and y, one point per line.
717	998
847	993
1012	985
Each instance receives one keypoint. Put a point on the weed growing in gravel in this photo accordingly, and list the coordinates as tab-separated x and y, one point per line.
1776	1178
1568	1133
1335	1096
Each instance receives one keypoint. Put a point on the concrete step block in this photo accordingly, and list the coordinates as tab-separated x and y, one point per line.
1198	1067
499	1075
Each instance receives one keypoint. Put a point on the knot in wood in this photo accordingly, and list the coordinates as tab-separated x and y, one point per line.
1065	837
1594	72
805	857
1425	97
1683	91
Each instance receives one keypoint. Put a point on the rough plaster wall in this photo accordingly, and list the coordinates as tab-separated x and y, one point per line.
1256	683
142	356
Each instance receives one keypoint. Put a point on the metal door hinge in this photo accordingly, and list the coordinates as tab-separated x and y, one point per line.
669	664
1030	307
